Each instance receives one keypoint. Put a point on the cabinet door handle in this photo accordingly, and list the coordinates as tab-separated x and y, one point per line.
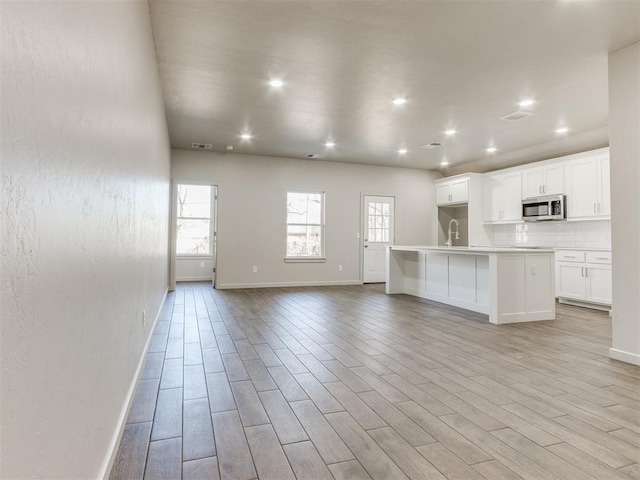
544	189
582	271
539	188
586	272
595	208
569	256
602	258
599	209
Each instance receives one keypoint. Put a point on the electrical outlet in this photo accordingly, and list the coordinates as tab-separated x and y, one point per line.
255	269
201	264
144	317
358	235
339	268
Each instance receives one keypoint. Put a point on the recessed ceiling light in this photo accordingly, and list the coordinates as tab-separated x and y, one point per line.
491	150
330	144
562	130
450	132
403	151
444	163
399	101
276	82
246	136
527	102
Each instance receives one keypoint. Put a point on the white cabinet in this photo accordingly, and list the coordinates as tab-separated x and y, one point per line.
501	198
584	277
587	188
571	280
598	283
604	185
545	180
452	191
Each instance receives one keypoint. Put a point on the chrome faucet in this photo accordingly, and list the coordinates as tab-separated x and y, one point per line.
457	232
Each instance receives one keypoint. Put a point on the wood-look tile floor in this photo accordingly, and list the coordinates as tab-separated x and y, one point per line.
350	383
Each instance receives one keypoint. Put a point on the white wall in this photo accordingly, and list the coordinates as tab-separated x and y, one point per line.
624	126
587	234
252	212
194	269
84	214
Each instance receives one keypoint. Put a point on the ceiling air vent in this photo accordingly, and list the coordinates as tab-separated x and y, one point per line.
517	115
431	145
314	156
202	146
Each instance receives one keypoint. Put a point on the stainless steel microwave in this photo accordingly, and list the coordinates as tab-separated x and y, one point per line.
538	209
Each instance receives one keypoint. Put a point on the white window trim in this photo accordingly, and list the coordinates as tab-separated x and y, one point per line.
322	258
305	259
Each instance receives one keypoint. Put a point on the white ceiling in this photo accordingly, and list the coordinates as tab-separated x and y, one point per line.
460	64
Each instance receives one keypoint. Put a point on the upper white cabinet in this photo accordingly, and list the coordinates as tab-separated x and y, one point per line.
452	191
501	198
545	180
587	187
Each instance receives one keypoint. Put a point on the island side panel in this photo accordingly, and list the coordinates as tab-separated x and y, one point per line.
525	288
511	288
414	273
483	280
395	271
541	302
453	279
437	277
462	279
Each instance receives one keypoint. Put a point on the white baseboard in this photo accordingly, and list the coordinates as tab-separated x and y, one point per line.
621	355
224	286
578	303
110	457
194	279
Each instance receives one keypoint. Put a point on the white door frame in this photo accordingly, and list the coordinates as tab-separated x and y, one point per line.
173	228
362	233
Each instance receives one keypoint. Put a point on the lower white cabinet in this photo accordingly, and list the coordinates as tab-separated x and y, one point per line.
584	277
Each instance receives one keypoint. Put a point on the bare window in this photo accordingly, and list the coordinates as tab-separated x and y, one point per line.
193	220
305	225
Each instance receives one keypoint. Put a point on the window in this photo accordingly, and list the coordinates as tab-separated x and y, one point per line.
379	226
193	220
305	225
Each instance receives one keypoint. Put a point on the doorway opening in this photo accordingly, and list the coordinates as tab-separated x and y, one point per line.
195	232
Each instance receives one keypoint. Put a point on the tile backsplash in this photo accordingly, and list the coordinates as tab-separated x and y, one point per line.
590	234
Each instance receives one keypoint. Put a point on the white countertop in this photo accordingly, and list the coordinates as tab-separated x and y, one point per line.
469	250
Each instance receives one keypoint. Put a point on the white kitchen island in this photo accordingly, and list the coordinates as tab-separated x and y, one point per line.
508	284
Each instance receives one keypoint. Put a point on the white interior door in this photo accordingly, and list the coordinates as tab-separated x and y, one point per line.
378	221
